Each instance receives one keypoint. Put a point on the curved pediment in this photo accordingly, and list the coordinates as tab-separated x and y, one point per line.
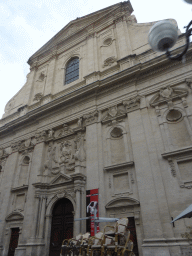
166	94
15	216
122	202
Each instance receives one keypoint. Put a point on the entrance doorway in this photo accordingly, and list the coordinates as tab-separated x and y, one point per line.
62	225
13	241
133	235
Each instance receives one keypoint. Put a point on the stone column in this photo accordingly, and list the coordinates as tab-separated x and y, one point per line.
42	217
78	208
34	227
48	219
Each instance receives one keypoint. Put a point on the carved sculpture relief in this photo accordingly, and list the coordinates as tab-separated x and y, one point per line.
67	155
51	163
132	103
172	166
38	97
80	148
189	82
108	41
41	136
62	156
64	131
50	134
25	146
91	117
109	61
113	113
1	152
168	94
80	122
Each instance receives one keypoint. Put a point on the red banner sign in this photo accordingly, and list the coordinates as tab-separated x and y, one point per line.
92	201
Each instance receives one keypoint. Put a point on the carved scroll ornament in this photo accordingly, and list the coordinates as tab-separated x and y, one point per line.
91	117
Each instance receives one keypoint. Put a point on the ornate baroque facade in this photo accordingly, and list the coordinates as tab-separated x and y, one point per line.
124	126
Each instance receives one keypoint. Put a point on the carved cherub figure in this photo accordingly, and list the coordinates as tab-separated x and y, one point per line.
50	133
65	152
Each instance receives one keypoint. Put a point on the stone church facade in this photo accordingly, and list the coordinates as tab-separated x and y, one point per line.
99	110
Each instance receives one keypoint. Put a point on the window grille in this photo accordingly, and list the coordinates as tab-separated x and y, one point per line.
72	71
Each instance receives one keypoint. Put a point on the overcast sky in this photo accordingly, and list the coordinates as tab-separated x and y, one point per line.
26	25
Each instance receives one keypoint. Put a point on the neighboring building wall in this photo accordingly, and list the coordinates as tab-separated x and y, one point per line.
124	127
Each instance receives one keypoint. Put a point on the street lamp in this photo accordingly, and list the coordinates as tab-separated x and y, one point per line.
163	36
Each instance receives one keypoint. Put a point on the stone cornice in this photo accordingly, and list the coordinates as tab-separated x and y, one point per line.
125	77
178	152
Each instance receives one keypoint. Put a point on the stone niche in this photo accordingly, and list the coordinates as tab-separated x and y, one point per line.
117	150
23	170
173	115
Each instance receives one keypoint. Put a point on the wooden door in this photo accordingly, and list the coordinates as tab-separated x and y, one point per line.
13	241
133	235
62	225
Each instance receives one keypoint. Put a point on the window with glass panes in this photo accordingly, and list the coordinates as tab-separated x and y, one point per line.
72	71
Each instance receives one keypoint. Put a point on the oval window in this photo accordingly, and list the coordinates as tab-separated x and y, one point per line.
173	115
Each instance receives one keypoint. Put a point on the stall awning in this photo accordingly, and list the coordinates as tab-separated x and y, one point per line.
187	213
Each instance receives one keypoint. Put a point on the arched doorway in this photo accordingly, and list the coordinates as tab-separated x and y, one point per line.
62	225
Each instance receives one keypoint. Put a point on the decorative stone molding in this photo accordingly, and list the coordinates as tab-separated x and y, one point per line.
38	97
15	216
64	131
131	19
132	103
167	95
80	122
107	42
91	117
117	166
172	166
113	113
3	154
23	146
19	189
2	165
15	146
189	82
61	178
109	61
50	134
26	146
122	202
120	179
180	162
41	136
119	19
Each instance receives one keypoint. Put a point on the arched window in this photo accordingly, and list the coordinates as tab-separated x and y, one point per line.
72	70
